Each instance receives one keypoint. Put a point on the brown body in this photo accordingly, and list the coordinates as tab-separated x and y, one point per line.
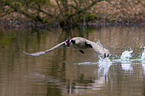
82	43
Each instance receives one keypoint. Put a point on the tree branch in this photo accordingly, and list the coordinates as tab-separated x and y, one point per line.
77	6
84	9
6	13
40	10
19	10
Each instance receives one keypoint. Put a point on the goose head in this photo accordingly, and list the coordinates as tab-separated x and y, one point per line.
67	42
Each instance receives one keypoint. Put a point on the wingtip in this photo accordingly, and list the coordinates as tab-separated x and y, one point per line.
25	53
35	54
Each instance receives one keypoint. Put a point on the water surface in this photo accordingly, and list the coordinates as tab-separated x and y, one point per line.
67	72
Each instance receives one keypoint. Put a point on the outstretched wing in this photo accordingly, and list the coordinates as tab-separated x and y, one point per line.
97	48
102	52
62	44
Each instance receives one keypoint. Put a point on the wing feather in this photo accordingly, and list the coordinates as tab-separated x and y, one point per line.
97	48
43	52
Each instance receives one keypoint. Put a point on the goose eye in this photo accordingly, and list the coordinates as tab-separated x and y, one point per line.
73	41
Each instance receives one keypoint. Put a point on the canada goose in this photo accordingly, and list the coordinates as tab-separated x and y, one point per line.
80	44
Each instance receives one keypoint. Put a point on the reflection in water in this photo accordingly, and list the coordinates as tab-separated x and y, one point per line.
35	76
104	65
143	59
103	70
143	65
65	71
143	55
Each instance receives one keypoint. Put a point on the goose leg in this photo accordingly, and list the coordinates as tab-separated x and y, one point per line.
81	51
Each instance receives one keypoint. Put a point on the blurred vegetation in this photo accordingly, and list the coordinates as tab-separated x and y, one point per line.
73	11
6	38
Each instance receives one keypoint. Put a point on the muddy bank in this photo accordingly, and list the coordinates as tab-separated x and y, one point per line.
23	24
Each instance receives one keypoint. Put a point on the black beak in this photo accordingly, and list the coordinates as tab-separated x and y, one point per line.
67	42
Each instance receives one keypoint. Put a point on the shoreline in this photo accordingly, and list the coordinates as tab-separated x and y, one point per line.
38	25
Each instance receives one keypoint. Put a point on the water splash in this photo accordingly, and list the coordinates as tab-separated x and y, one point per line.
126	66
99	43
143	59
126	55
104	65
86	63
125	60
143	55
